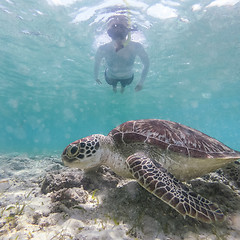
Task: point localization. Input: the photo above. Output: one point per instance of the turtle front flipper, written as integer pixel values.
(157, 180)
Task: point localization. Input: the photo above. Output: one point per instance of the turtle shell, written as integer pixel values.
(171, 136)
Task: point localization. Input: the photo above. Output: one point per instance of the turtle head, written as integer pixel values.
(85, 153)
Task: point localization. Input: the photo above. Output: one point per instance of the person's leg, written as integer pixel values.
(112, 82)
(115, 88)
(125, 82)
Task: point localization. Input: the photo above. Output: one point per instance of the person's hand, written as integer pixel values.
(138, 87)
(98, 81)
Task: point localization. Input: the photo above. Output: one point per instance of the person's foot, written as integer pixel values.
(138, 87)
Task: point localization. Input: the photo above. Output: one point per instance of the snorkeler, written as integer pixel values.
(120, 56)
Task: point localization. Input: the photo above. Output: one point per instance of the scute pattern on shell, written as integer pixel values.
(171, 136)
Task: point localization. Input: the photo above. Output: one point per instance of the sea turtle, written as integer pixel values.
(159, 154)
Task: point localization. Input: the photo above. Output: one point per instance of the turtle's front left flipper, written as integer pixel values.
(157, 180)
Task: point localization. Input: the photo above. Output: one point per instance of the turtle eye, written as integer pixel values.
(73, 151)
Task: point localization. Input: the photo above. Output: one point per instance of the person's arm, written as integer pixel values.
(145, 60)
(98, 59)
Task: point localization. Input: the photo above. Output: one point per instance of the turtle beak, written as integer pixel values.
(65, 160)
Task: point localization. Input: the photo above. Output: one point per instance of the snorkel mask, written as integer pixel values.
(118, 27)
(118, 31)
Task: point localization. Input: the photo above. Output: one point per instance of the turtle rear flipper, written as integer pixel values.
(157, 180)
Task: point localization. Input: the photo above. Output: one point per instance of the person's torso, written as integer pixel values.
(120, 63)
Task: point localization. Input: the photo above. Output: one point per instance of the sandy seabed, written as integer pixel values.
(41, 199)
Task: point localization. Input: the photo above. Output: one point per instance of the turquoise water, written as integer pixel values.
(48, 97)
